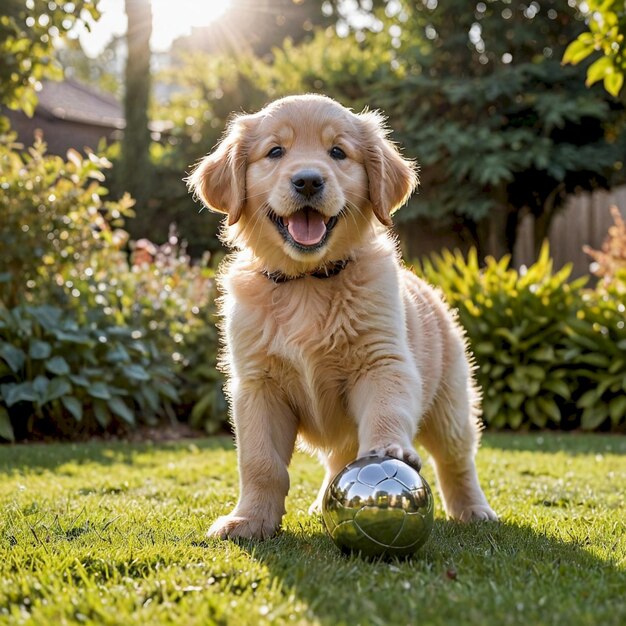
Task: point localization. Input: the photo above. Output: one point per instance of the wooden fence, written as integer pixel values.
(584, 220)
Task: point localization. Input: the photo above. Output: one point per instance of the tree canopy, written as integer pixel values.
(27, 32)
(475, 92)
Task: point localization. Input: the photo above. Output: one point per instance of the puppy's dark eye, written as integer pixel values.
(337, 153)
(276, 152)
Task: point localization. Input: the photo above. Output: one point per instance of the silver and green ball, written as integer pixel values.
(378, 506)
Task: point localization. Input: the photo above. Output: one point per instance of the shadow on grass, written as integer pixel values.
(470, 574)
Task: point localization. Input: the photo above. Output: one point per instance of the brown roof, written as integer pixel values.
(70, 100)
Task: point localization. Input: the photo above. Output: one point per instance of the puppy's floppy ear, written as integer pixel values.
(219, 179)
(391, 177)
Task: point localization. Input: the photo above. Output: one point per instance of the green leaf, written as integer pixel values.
(40, 384)
(118, 354)
(74, 406)
(588, 399)
(617, 409)
(58, 365)
(18, 392)
(558, 387)
(507, 334)
(151, 397)
(202, 409)
(6, 428)
(550, 408)
(598, 70)
(102, 413)
(80, 380)
(577, 51)
(120, 408)
(515, 419)
(596, 360)
(537, 417)
(593, 417)
(79, 338)
(515, 399)
(613, 83)
(13, 357)
(39, 349)
(136, 372)
(168, 391)
(47, 316)
(544, 353)
(57, 388)
(99, 390)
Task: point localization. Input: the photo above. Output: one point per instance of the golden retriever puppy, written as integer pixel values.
(327, 337)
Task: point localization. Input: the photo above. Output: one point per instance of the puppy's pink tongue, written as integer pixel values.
(306, 227)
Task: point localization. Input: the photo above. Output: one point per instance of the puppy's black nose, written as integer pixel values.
(307, 182)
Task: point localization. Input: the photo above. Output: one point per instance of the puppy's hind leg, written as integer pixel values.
(450, 433)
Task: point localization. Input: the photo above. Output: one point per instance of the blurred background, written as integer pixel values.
(513, 109)
(476, 92)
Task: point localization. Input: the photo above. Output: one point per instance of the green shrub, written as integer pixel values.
(58, 376)
(550, 353)
(54, 217)
(596, 346)
(173, 299)
(63, 246)
(515, 326)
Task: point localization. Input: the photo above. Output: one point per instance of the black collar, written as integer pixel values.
(323, 272)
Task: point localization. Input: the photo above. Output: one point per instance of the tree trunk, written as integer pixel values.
(136, 172)
(543, 219)
(496, 234)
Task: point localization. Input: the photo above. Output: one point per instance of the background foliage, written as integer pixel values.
(495, 118)
(102, 330)
(606, 33)
(27, 32)
(90, 339)
(549, 352)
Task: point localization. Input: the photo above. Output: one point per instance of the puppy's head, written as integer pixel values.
(303, 181)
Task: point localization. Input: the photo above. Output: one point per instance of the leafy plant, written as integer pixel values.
(173, 299)
(58, 376)
(606, 34)
(28, 31)
(595, 348)
(54, 217)
(550, 353)
(515, 323)
(63, 244)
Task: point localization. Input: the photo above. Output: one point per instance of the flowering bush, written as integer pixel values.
(139, 331)
(610, 262)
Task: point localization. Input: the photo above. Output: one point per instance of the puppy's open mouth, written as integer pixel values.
(306, 229)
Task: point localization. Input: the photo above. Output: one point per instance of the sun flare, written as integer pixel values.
(180, 16)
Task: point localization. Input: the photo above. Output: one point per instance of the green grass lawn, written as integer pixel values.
(113, 533)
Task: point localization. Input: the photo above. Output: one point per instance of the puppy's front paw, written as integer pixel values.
(477, 513)
(234, 526)
(316, 507)
(404, 453)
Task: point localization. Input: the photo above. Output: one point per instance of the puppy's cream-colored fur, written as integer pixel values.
(368, 359)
